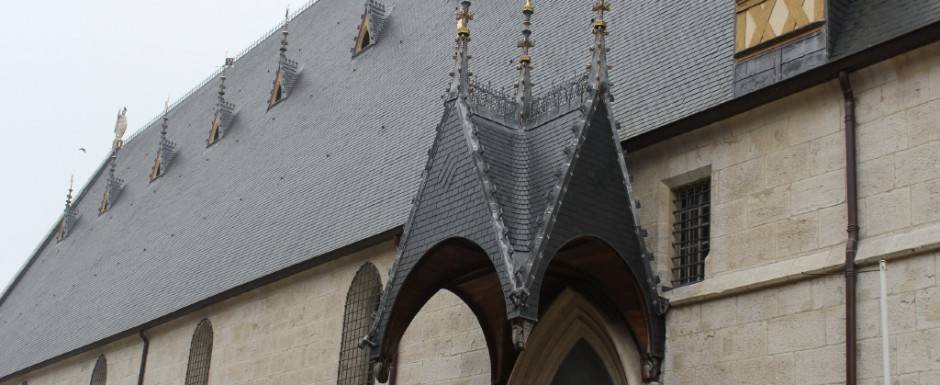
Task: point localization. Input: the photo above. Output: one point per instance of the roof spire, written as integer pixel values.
(119, 128)
(461, 83)
(229, 62)
(68, 197)
(285, 33)
(166, 111)
(524, 85)
(598, 67)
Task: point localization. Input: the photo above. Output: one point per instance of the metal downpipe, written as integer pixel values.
(851, 245)
(143, 358)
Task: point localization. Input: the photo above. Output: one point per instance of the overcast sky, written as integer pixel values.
(66, 69)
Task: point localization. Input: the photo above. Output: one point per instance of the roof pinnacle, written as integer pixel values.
(461, 74)
(285, 33)
(229, 62)
(166, 111)
(68, 197)
(598, 68)
(524, 85)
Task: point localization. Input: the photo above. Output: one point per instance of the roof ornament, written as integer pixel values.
(229, 62)
(285, 33)
(115, 185)
(165, 150)
(69, 216)
(598, 68)
(524, 85)
(225, 111)
(461, 74)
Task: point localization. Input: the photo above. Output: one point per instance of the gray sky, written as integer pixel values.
(68, 66)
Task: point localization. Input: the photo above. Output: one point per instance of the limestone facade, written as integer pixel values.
(289, 333)
(767, 312)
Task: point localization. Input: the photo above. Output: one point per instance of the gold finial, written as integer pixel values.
(600, 7)
(463, 18)
(528, 6)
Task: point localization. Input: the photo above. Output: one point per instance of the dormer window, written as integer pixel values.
(371, 26)
(165, 154)
(762, 24)
(224, 110)
(363, 40)
(215, 133)
(276, 91)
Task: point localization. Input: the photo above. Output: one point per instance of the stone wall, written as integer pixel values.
(288, 333)
(766, 312)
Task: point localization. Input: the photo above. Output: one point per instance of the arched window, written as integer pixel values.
(200, 354)
(99, 376)
(362, 301)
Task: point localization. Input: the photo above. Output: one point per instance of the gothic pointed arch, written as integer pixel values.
(362, 300)
(573, 325)
(99, 376)
(200, 354)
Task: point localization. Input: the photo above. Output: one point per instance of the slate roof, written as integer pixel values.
(340, 159)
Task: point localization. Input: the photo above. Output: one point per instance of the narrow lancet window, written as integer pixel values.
(362, 301)
(200, 354)
(99, 376)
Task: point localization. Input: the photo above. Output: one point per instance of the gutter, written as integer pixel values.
(143, 357)
(851, 245)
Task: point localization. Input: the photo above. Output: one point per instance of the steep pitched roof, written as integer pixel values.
(339, 160)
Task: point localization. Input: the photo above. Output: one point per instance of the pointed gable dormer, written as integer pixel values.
(521, 199)
(370, 27)
(166, 150)
(224, 110)
(287, 70)
(69, 215)
(114, 185)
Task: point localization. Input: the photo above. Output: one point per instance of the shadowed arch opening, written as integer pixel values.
(590, 266)
(200, 354)
(571, 328)
(463, 268)
(362, 300)
(99, 376)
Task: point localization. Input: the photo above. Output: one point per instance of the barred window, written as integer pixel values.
(362, 301)
(99, 376)
(690, 232)
(200, 354)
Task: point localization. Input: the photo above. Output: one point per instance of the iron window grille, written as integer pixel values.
(200, 354)
(99, 376)
(690, 232)
(362, 301)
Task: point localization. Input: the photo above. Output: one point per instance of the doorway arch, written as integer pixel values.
(571, 319)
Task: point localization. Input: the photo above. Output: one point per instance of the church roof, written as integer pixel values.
(339, 160)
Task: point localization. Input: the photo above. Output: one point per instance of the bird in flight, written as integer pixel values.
(82, 149)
